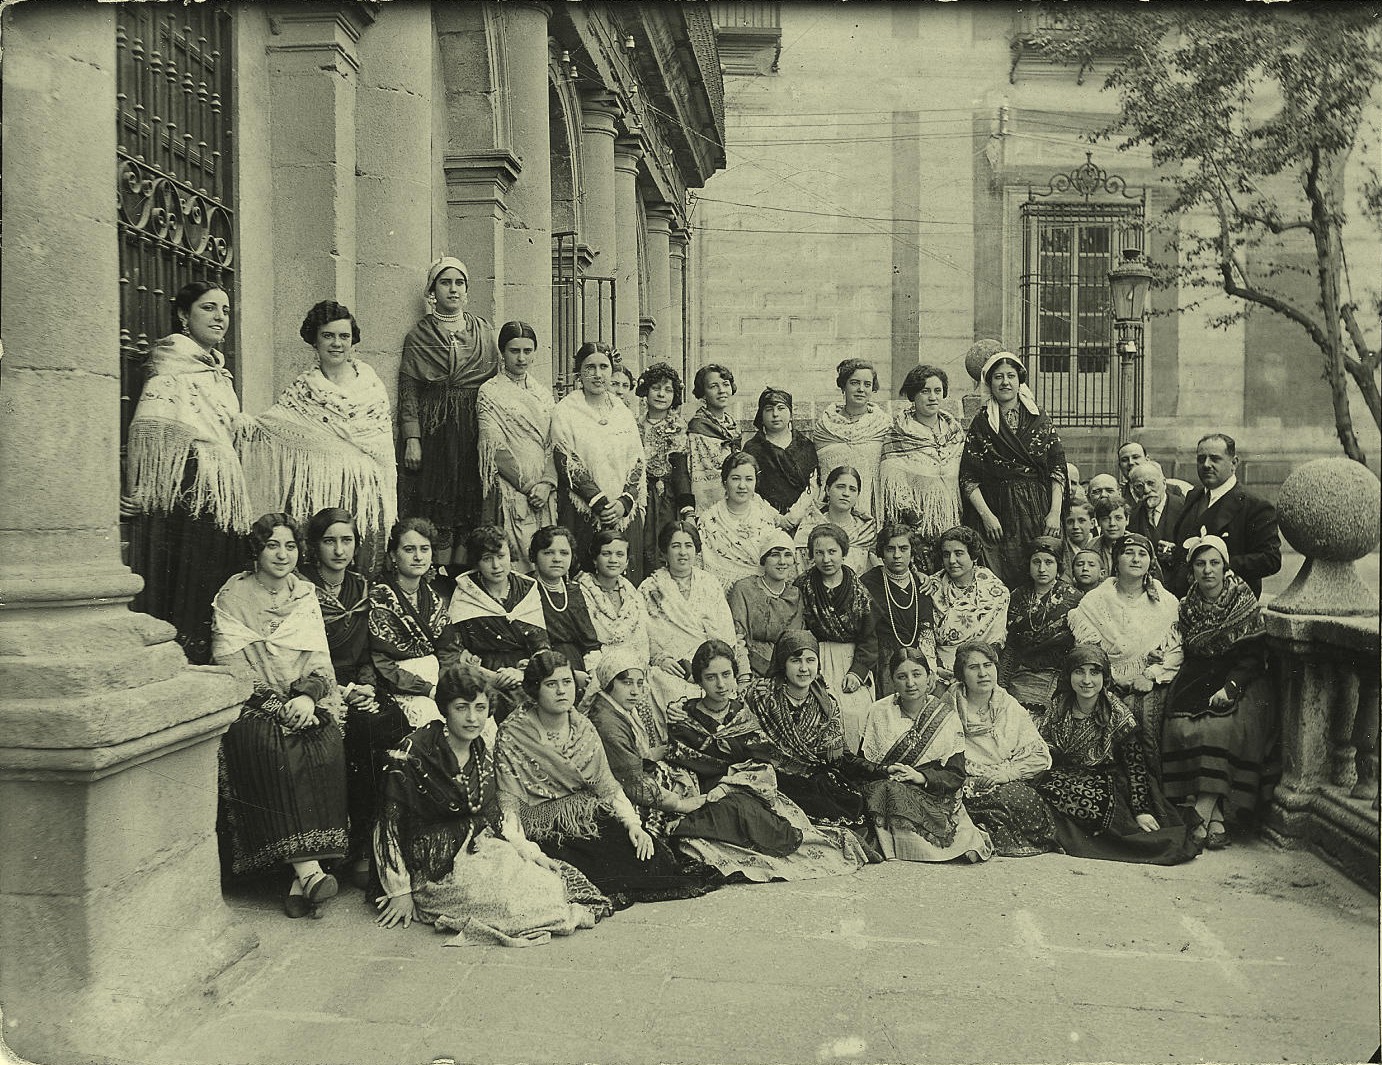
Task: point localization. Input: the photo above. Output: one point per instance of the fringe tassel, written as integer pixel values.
(300, 471)
(936, 508)
(159, 451)
(557, 820)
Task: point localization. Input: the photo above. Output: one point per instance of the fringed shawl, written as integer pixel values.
(627, 625)
(1001, 740)
(834, 615)
(427, 811)
(710, 440)
(678, 624)
(1135, 633)
(539, 781)
(282, 642)
(730, 542)
(808, 736)
(610, 455)
(188, 412)
(444, 361)
(893, 738)
(979, 612)
(405, 631)
(517, 419)
(1211, 629)
(920, 471)
(841, 441)
(1031, 452)
(661, 440)
(322, 445)
(1090, 741)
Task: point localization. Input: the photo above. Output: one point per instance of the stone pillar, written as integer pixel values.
(676, 341)
(313, 69)
(627, 152)
(477, 189)
(110, 901)
(393, 185)
(598, 113)
(659, 252)
(527, 274)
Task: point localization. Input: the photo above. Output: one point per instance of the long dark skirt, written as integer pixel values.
(583, 529)
(609, 861)
(283, 793)
(369, 736)
(1016, 819)
(1021, 507)
(1234, 755)
(449, 492)
(662, 508)
(184, 561)
(1093, 819)
(826, 798)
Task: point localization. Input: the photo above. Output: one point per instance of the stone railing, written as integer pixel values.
(1324, 640)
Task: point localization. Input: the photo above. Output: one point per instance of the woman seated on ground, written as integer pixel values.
(801, 719)
(410, 639)
(1221, 725)
(564, 609)
(443, 856)
(902, 612)
(1133, 618)
(918, 741)
(617, 610)
(841, 509)
(733, 526)
(554, 778)
(839, 612)
(686, 607)
(766, 605)
(1038, 630)
(969, 601)
(497, 615)
(746, 827)
(1004, 753)
(374, 722)
(1105, 802)
(283, 759)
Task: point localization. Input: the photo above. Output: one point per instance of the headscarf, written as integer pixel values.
(446, 262)
(1196, 544)
(769, 397)
(1132, 539)
(1091, 741)
(1024, 394)
(1049, 545)
(616, 660)
(772, 539)
(1210, 629)
(788, 644)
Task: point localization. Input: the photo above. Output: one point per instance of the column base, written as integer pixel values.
(1327, 822)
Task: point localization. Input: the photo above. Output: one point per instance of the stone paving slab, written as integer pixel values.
(1250, 954)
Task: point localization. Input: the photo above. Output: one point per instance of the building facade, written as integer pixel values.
(904, 179)
(293, 152)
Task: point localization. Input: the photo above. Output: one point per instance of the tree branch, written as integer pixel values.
(1274, 303)
(1367, 356)
(1272, 224)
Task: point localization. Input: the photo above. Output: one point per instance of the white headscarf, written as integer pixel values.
(1024, 394)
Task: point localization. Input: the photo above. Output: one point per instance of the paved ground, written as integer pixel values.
(1250, 954)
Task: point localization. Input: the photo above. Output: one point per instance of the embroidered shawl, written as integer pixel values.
(920, 472)
(517, 419)
(835, 615)
(1001, 740)
(730, 543)
(689, 728)
(1089, 742)
(710, 439)
(841, 441)
(808, 736)
(679, 624)
(979, 612)
(398, 628)
(282, 642)
(626, 625)
(608, 457)
(1038, 629)
(661, 440)
(1210, 629)
(441, 360)
(486, 625)
(785, 474)
(322, 445)
(893, 738)
(188, 412)
(1140, 635)
(1031, 452)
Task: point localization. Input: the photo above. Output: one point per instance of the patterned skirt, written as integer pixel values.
(1234, 755)
(1016, 819)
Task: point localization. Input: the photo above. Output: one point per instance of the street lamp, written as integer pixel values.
(1129, 281)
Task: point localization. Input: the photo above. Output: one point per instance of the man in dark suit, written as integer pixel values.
(1156, 510)
(1221, 506)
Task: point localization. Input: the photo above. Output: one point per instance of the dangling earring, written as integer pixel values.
(185, 331)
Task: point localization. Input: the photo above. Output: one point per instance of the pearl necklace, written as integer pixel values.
(548, 590)
(902, 606)
(763, 582)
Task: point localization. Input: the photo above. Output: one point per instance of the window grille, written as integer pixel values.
(582, 309)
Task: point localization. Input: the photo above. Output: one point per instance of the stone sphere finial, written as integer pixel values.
(979, 353)
(1330, 510)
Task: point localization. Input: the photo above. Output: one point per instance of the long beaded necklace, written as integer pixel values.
(909, 604)
(547, 592)
(468, 778)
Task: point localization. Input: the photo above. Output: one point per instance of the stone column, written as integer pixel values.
(627, 152)
(477, 189)
(598, 113)
(313, 71)
(676, 342)
(393, 184)
(527, 274)
(659, 252)
(110, 901)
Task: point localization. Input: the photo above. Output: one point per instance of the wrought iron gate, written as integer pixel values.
(582, 309)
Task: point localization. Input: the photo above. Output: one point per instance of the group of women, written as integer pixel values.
(619, 658)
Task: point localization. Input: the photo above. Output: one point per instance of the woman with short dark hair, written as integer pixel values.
(665, 449)
(569, 627)
(329, 440)
(852, 432)
(920, 468)
(712, 433)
